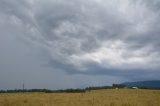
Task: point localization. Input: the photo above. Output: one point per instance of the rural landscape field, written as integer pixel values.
(79, 52)
(111, 97)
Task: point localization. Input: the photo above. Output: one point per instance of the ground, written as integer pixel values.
(111, 97)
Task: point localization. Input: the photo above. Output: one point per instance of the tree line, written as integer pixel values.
(72, 90)
(56, 91)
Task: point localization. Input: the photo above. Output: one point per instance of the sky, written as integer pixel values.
(59, 44)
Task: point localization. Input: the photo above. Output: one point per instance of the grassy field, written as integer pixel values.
(112, 97)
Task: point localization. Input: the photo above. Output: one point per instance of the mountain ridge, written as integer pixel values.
(146, 84)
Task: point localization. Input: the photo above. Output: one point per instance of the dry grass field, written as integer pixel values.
(112, 97)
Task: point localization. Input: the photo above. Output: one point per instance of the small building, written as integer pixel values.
(134, 87)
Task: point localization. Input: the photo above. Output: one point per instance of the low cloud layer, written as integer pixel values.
(80, 40)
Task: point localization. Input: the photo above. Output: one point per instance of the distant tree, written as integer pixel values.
(118, 86)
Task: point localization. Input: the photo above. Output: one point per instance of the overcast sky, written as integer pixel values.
(59, 44)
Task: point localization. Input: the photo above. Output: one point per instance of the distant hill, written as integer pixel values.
(145, 84)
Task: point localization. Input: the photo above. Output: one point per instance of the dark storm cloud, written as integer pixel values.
(87, 38)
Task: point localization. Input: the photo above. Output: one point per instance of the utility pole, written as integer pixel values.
(23, 87)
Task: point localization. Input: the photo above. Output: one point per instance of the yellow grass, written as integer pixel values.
(120, 97)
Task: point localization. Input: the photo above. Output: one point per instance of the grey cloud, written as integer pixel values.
(83, 38)
(69, 29)
(154, 5)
